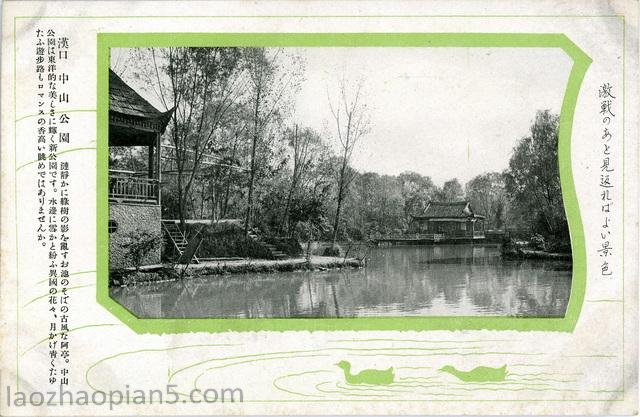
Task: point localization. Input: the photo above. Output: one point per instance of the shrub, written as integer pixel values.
(227, 241)
(333, 250)
(290, 246)
(538, 242)
(559, 245)
(139, 244)
(356, 234)
(230, 243)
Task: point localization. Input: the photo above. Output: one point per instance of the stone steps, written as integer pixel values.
(273, 249)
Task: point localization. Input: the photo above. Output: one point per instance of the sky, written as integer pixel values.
(442, 112)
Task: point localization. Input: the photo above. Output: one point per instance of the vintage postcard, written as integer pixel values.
(268, 208)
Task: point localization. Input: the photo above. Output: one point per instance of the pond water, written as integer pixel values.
(442, 280)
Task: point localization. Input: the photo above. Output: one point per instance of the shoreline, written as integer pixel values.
(166, 273)
(317, 263)
(538, 254)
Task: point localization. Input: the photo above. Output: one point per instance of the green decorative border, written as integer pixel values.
(581, 63)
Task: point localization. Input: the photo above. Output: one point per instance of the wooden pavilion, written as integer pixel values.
(134, 197)
(455, 220)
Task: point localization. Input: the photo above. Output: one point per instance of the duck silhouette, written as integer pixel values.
(478, 374)
(367, 376)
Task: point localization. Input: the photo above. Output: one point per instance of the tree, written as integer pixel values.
(267, 88)
(352, 124)
(308, 218)
(303, 143)
(374, 206)
(533, 178)
(451, 191)
(199, 85)
(487, 195)
(417, 191)
(129, 158)
(223, 182)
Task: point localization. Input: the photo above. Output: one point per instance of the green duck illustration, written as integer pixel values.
(479, 374)
(368, 376)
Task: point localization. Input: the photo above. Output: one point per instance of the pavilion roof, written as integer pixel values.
(133, 120)
(457, 209)
(124, 99)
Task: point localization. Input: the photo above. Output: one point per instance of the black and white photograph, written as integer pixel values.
(333, 182)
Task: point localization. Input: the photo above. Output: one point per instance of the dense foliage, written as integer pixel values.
(233, 106)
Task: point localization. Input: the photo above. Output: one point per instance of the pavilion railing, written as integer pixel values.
(136, 190)
(410, 236)
(457, 234)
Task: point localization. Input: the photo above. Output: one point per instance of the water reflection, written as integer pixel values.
(445, 280)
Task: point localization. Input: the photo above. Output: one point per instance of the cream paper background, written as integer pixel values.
(595, 366)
